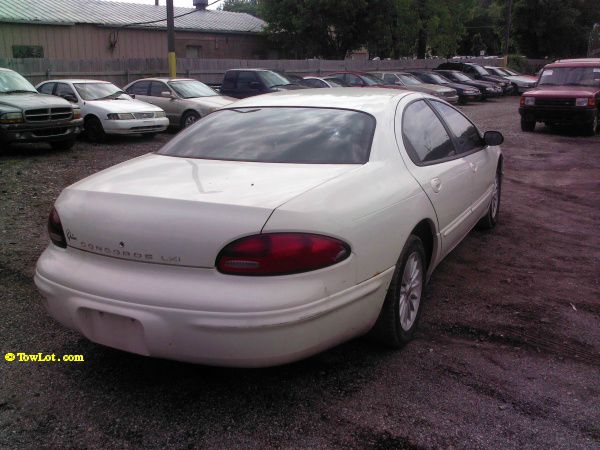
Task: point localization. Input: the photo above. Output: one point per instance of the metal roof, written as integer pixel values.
(108, 13)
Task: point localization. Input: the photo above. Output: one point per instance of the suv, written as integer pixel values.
(28, 116)
(242, 83)
(568, 92)
(477, 72)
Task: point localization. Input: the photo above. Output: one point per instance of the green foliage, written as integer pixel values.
(518, 63)
(395, 28)
(242, 6)
(315, 28)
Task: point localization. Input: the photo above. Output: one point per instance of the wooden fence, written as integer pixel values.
(123, 71)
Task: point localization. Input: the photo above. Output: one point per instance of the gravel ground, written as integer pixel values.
(507, 356)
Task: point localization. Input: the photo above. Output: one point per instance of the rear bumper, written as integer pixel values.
(557, 115)
(49, 132)
(202, 316)
(135, 126)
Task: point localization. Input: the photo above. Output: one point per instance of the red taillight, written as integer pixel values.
(592, 102)
(281, 254)
(522, 101)
(55, 229)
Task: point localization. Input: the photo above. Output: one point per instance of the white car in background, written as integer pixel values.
(106, 109)
(272, 229)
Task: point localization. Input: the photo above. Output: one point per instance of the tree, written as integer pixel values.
(315, 28)
(242, 6)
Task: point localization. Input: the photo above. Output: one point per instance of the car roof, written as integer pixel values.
(164, 79)
(248, 69)
(370, 100)
(353, 72)
(582, 62)
(75, 80)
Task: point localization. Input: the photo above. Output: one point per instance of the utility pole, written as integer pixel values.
(507, 33)
(171, 40)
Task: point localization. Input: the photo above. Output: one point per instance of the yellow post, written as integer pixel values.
(172, 65)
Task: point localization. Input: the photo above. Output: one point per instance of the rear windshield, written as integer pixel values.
(278, 135)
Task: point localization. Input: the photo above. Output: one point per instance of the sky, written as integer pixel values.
(187, 3)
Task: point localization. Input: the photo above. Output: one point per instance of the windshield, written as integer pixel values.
(498, 71)
(278, 135)
(460, 76)
(192, 89)
(272, 79)
(13, 82)
(409, 79)
(372, 80)
(572, 76)
(99, 91)
(511, 72)
(437, 78)
(480, 70)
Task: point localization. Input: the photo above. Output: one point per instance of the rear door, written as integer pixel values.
(434, 162)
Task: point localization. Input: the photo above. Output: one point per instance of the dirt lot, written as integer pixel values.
(508, 353)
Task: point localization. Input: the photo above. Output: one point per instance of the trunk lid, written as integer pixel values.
(178, 211)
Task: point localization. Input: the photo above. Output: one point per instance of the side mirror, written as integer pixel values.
(131, 95)
(255, 86)
(493, 138)
(167, 94)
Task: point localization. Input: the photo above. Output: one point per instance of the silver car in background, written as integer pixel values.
(184, 100)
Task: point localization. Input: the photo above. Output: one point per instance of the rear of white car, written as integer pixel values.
(264, 234)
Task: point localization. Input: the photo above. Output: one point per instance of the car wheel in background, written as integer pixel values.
(93, 129)
(401, 309)
(189, 118)
(527, 125)
(591, 128)
(490, 220)
(63, 145)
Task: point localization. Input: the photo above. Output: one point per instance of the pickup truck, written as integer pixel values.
(568, 92)
(28, 116)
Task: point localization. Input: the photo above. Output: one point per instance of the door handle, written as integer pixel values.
(473, 167)
(436, 184)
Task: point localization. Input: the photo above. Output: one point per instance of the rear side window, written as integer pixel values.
(312, 82)
(46, 88)
(139, 88)
(424, 136)
(466, 133)
(157, 88)
(278, 135)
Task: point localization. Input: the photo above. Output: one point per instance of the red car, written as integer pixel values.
(360, 79)
(568, 92)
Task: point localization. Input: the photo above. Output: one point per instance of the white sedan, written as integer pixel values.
(106, 109)
(272, 229)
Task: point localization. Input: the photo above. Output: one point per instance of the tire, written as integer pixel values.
(189, 118)
(462, 100)
(515, 90)
(149, 135)
(527, 125)
(490, 220)
(63, 145)
(93, 129)
(591, 128)
(394, 328)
